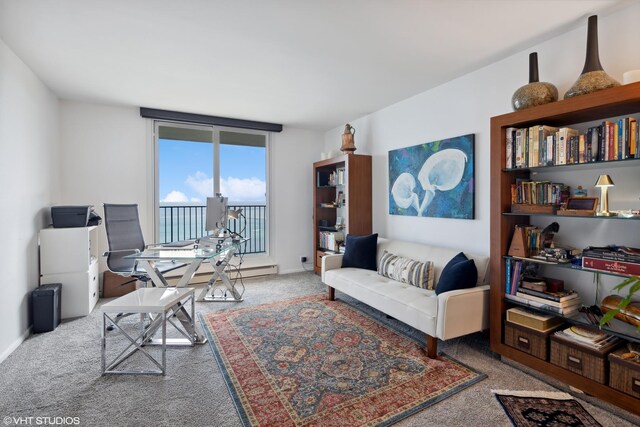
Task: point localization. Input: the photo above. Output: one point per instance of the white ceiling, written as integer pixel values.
(303, 63)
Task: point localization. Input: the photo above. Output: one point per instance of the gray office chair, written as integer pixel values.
(124, 237)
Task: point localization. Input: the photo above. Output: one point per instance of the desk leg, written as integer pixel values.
(207, 294)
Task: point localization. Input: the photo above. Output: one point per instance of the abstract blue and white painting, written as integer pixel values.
(434, 179)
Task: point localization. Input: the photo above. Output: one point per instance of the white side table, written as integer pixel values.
(165, 302)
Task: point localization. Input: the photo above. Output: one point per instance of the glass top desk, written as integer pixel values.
(217, 251)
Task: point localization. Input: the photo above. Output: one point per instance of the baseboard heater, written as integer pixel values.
(246, 272)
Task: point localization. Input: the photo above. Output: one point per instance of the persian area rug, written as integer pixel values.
(529, 409)
(313, 362)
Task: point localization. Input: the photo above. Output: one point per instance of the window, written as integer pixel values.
(195, 162)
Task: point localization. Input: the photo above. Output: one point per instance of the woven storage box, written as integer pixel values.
(624, 374)
(580, 359)
(531, 341)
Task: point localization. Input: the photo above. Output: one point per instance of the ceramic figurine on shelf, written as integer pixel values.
(348, 145)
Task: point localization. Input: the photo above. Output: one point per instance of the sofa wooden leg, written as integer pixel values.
(332, 293)
(432, 347)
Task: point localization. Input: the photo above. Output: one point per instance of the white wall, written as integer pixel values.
(465, 105)
(107, 157)
(29, 140)
(293, 151)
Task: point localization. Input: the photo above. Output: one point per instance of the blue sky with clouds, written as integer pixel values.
(186, 172)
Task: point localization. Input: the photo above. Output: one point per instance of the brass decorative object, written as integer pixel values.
(604, 182)
(536, 92)
(593, 77)
(348, 146)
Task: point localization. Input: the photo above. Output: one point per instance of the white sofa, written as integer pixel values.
(448, 315)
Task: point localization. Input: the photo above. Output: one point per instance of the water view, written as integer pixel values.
(184, 221)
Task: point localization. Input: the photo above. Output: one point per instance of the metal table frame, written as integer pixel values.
(146, 301)
(218, 251)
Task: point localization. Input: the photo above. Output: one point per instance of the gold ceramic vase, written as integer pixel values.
(536, 92)
(593, 77)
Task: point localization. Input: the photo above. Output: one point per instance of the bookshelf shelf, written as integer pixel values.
(615, 218)
(567, 265)
(616, 327)
(580, 111)
(352, 174)
(579, 166)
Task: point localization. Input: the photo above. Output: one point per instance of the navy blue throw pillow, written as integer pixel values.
(360, 252)
(459, 273)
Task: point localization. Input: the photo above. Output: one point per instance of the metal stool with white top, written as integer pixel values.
(160, 305)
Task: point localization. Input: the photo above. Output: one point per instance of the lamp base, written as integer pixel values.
(606, 214)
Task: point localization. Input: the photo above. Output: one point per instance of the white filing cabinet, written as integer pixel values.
(70, 256)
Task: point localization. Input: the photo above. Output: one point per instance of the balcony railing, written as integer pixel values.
(188, 222)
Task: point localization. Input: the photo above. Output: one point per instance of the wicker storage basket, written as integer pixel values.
(624, 374)
(580, 359)
(531, 341)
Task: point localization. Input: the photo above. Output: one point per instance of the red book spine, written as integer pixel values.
(620, 267)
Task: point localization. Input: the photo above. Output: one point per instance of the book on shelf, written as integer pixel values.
(560, 304)
(563, 138)
(544, 132)
(560, 296)
(542, 322)
(562, 311)
(510, 142)
(331, 240)
(618, 267)
(521, 137)
(613, 253)
(512, 279)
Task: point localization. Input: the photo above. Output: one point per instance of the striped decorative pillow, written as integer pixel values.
(406, 270)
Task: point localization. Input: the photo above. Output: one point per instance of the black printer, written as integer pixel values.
(74, 216)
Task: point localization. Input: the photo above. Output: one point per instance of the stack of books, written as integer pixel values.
(563, 303)
(589, 337)
(617, 259)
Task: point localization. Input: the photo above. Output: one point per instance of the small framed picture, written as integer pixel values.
(580, 206)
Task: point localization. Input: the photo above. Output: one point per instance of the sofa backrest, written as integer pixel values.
(438, 255)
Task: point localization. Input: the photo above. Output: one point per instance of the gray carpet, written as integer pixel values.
(57, 374)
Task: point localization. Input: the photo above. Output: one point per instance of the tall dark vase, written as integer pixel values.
(536, 92)
(593, 77)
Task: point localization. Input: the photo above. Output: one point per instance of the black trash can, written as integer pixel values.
(45, 307)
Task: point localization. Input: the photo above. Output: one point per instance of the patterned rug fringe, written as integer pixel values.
(542, 394)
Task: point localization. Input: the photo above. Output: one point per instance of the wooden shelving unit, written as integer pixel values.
(356, 190)
(619, 101)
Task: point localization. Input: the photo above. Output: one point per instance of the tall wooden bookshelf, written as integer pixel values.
(348, 196)
(605, 104)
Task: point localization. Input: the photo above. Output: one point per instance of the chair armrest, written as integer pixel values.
(133, 251)
(331, 262)
(462, 312)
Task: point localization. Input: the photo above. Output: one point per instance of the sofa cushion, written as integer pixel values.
(409, 304)
(360, 252)
(406, 270)
(459, 273)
